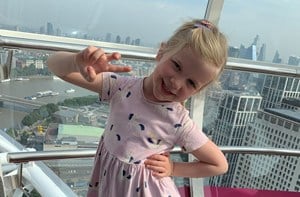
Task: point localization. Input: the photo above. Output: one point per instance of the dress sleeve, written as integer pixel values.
(190, 136)
(112, 82)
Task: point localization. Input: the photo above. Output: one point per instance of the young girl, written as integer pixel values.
(146, 115)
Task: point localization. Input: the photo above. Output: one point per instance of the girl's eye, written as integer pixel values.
(191, 82)
(176, 65)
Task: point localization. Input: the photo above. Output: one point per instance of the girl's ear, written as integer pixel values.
(160, 51)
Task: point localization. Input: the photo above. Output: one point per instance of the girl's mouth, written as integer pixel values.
(165, 88)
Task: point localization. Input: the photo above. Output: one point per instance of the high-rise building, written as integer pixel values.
(42, 30)
(275, 88)
(127, 40)
(118, 39)
(277, 58)
(233, 52)
(58, 32)
(50, 30)
(262, 53)
(293, 60)
(235, 110)
(137, 42)
(290, 103)
(108, 37)
(276, 128)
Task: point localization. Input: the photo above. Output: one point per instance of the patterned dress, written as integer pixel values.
(137, 128)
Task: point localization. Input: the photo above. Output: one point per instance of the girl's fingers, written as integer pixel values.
(158, 175)
(113, 56)
(116, 68)
(91, 74)
(158, 157)
(155, 168)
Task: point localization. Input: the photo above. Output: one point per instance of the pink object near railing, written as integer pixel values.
(238, 192)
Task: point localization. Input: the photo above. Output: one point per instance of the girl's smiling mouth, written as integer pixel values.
(166, 89)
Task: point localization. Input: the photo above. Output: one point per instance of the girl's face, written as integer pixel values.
(178, 77)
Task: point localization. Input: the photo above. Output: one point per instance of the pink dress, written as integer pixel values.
(137, 128)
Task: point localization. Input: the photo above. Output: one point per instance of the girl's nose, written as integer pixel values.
(175, 84)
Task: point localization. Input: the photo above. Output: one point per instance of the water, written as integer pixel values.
(10, 118)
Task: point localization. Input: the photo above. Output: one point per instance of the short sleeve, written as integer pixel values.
(111, 84)
(190, 136)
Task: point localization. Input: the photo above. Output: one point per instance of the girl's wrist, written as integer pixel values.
(75, 62)
(172, 168)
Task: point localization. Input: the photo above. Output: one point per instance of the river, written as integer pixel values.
(10, 118)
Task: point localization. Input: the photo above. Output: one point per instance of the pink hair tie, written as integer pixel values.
(205, 24)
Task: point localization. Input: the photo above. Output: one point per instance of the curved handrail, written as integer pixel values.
(20, 157)
(21, 40)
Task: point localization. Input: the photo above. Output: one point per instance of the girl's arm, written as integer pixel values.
(84, 68)
(210, 162)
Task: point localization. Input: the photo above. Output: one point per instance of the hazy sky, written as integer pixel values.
(275, 21)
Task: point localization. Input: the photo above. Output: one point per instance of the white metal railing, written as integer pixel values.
(22, 40)
(20, 157)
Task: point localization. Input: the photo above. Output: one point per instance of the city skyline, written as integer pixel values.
(278, 31)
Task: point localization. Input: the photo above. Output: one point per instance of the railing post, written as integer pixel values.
(20, 174)
(196, 113)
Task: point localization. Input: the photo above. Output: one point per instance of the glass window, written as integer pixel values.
(242, 104)
(282, 82)
(252, 28)
(144, 23)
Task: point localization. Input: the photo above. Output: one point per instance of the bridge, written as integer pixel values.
(21, 101)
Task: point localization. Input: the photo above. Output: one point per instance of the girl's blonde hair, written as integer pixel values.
(204, 38)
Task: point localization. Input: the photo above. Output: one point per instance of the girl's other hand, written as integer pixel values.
(92, 61)
(160, 164)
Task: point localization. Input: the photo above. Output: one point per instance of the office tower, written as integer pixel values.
(275, 88)
(262, 53)
(58, 32)
(293, 60)
(251, 53)
(137, 42)
(108, 37)
(235, 110)
(248, 53)
(233, 52)
(290, 103)
(276, 128)
(127, 40)
(42, 30)
(50, 30)
(277, 58)
(118, 39)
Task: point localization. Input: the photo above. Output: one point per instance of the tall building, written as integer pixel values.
(233, 52)
(276, 128)
(108, 37)
(275, 88)
(293, 60)
(118, 39)
(137, 42)
(58, 32)
(235, 110)
(262, 53)
(127, 40)
(42, 30)
(50, 30)
(277, 58)
(290, 103)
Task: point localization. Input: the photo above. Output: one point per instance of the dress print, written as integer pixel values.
(137, 128)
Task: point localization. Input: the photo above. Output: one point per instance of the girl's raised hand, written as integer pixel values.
(160, 164)
(92, 61)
